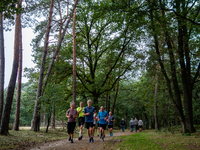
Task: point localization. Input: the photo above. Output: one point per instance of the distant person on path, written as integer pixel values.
(71, 115)
(89, 120)
(94, 123)
(140, 124)
(111, 119)
(131, 124)
(81, 120)
(102, 117)
(123, 123)
(135, 123)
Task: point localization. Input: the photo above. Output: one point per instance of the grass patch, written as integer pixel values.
(27, 138)
(149, 140)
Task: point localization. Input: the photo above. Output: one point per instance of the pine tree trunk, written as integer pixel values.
(36, 115)
(2, 66)
(155, 98)
(11, 86)
(17, 111)
(74, 56)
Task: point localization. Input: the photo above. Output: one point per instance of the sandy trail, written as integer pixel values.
(82, 144)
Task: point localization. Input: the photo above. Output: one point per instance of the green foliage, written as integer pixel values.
(8, 8)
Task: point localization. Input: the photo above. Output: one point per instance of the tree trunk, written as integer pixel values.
(155, 98)
(53, 126)
(48, 122)
(11, 87)
(17, 111)
(74, 56)
(36, 114)
(58, 47)
(183, 49)
(116, 94)
(2, 66)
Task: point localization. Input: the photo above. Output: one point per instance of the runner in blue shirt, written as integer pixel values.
(111, 119)
(102, 117)
(88, 113)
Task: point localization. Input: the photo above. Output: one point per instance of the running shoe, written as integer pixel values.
(103, 139)
(89, 140)
(98, 135)
(92, 140)
(69, 138)
(72, 141)
(112, 134)
(81, 137)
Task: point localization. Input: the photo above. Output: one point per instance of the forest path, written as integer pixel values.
(84, 144)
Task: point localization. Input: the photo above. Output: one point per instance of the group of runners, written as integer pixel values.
(88, 116)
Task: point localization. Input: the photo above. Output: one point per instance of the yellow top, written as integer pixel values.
(81, 112)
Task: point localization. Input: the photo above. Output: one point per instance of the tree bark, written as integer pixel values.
(74, 56)
(155, 98)
(36, 114)
(117, 90)
(11, 86)
(2, 66)
(17, 111)
(58, 47)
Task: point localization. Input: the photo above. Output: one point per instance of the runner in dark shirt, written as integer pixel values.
(89, 120)
(111, 119)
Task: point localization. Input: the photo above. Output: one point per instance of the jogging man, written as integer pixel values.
(102, 117)
(81, 120)
(89, 120)
(111, 119)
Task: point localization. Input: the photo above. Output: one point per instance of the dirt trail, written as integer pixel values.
(82, 144)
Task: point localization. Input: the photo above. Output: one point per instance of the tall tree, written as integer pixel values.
(155, 98)
(36, 114)
(11, 87)
(2, 65)
(17, 111)
(74, 56)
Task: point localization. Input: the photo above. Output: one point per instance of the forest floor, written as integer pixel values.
(83, 144)
(58, 140)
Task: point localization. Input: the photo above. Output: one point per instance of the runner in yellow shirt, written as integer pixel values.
(81, 120)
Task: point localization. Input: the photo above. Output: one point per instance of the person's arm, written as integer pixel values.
(76, 114)
(80, 110)
(67, 115)
(113, 119)
(84, 112)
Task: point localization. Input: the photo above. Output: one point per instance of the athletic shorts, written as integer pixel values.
(140, 126)
(88, 125)
(97, 124)
(81, 121)
(102, 126)
(110, 126)
(94, 125)
(70, 127)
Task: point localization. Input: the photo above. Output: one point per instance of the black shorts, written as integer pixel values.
(110, 126)
(98, 125)
(70, 127)
(140, 126)
(81, 121)
(102, 126)
(88, 125)
(94, 125)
